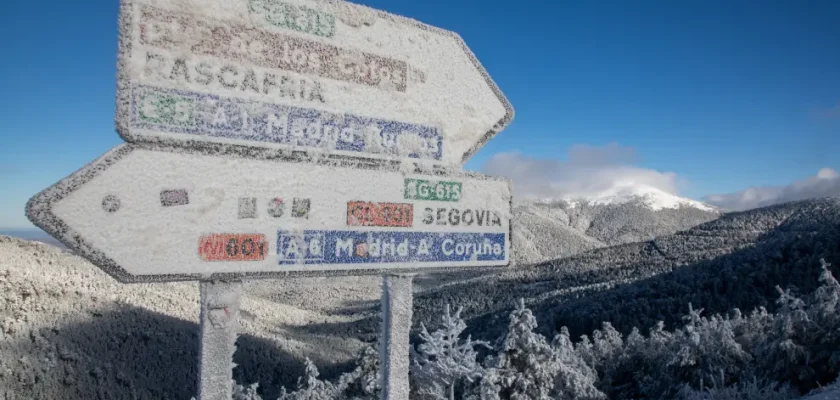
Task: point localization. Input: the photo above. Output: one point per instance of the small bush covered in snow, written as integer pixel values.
(362, 383)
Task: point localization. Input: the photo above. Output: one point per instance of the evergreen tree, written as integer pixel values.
(442, 361)
(825, 313)
(364, 381)
(310, 387)
(706, 349)
(249, 392)
(574, 380)
(523, 369)
(782, 354)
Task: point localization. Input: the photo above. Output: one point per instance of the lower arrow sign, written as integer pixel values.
(146, 214)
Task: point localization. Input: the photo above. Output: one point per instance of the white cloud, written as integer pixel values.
(825, 183)
(587, 171)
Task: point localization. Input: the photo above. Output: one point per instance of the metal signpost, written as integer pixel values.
(273, 138)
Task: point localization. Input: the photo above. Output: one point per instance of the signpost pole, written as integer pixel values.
(396, 326)
(219, 324)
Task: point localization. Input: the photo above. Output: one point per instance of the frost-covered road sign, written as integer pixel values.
(219, 98)
(322, 75)
(165, 214)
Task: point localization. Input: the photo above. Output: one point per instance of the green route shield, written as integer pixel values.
(421, 189)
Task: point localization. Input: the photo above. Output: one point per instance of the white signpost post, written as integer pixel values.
(288, 138)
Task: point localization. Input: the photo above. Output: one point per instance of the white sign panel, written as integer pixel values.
(330, 76)
(151, 214)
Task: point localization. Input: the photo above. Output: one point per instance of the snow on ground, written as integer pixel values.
(68, 330)
(832, 394)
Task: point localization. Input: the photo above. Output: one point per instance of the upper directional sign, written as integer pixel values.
(146, 213)
(321, 75)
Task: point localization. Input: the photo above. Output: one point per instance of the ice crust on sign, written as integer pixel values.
(144, 240)
(182, 61)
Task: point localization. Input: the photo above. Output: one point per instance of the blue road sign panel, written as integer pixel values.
(364, 247)
(184, 112)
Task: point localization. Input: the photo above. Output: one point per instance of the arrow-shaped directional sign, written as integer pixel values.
(163, 214)
(322, 75)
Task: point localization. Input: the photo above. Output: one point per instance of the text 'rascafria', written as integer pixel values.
(232, 77)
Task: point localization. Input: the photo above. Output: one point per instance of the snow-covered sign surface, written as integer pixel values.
(151, 213)
(313, 75)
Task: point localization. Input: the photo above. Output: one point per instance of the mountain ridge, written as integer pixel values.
(654, 198)
(555, 228)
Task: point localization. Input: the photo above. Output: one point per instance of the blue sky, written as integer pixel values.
(725, 94)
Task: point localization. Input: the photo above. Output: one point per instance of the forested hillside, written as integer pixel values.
(734, 261)
(753, 355)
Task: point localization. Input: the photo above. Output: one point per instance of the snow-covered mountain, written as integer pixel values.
(651, 197)
(555, 228)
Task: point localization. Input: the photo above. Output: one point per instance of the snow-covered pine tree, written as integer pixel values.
(524, 368)
(363, 381)
(607, 342)
(607, 346)
(241, 392)
(622, 365)
(574, 380)
(443, 360)
(635, 365)
(823, 344)
(586, 351)
(487, 388)
(639, 370)
(781, 353)
(826, 300)
(310, 387)
(751, 330)
(706, 349)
